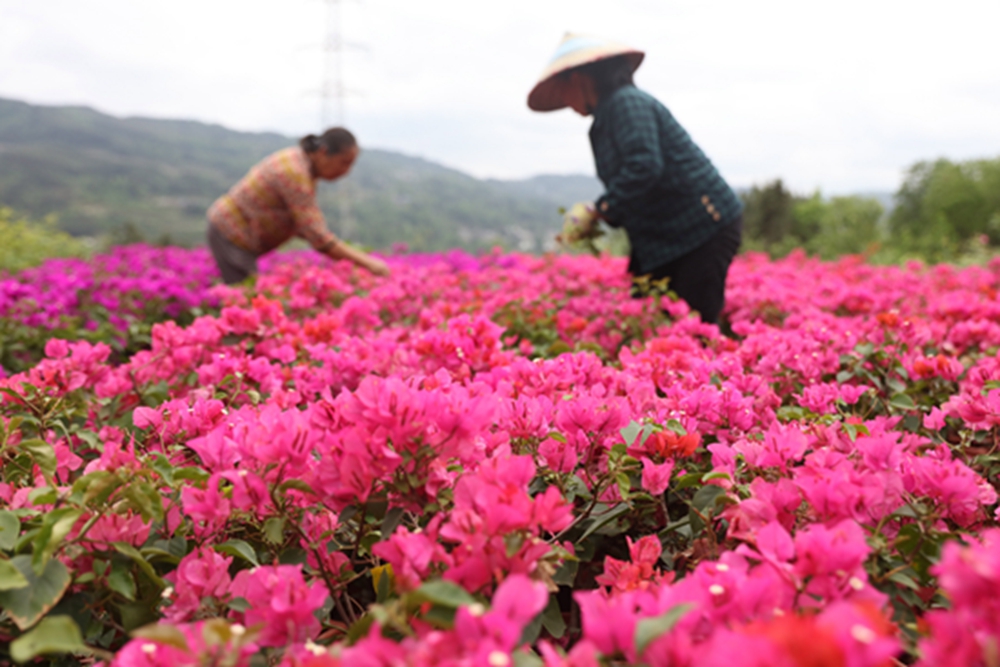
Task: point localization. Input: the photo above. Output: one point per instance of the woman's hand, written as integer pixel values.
(377, 266)
(342, 250)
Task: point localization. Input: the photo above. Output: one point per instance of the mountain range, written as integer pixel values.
(100, 174)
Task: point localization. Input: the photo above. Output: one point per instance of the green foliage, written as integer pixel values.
(25, 243)
(54, 634)
(768, 218)
(943, 208)
(842, 225)
(777, 221)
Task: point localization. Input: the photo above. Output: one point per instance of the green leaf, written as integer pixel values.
(566, 574)
(296, 484)
(41, 453)
(164, 633)
(688, 480)
(864, 349)
(706, 496)
(788, 413)
(902, 402)
(650, 629)
(552, 618)
(191, 474)
(392, 520)
(55, 527)
(852, 430)
(631, 432)
(904, 579)
(383, 581)
(444, 593)
(599, 521)
(274, 529)
(55, 634)
(238, 548)
(11, 577)
(43, 495)
(906, 511)
(26, 605)
(676, 427)
(163, 468)
(97, 487)
(146, 500)
(531, 631)
(360, 628)
(526, 658)
(121, 581)
(127, 549)
(239, 604)
(624, 484)
(136, 614)
(10, 528)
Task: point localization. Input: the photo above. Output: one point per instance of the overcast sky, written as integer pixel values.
(841, 96)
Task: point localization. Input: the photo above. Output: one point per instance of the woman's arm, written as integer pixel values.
(337, 249)
(311, 226)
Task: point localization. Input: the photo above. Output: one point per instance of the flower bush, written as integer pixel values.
(504, 460)
(113, 298)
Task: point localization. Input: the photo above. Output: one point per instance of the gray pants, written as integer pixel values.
(235, 263)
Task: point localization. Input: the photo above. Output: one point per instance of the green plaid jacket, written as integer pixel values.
(659, 185)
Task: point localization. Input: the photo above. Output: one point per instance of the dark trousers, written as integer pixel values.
(699, 277)
(235, 264)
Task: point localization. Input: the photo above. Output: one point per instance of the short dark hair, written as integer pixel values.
(608, 74)
(335, 140)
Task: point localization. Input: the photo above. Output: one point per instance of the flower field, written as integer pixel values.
(499, 460)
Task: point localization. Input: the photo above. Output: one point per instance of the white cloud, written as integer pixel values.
(839, 96)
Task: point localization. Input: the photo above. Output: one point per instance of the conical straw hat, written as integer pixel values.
(573, 51)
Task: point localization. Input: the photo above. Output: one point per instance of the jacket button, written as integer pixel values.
(710, 208)
(705, 200)
(716, 216)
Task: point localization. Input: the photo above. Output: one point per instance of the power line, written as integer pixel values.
(332, 103)
(332, 90)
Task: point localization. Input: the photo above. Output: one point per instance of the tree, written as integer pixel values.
(843, 225)
(768, 217)
(943, 207)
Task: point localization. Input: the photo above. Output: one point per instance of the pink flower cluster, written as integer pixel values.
(516, 428)
(969, 632)
(122, 282)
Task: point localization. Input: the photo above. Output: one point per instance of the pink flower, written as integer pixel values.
(413, 555)
(201, 574)
(208, 508)
(196, 650)
(641, 573)
(607, 635)
(656, 477)
(281, 600)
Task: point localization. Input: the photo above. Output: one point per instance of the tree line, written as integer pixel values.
(943, 212)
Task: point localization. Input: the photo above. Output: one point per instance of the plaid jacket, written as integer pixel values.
(275, 201)
(659, 185)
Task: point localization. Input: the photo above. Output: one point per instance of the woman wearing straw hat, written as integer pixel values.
(682, 219)
(276, 200)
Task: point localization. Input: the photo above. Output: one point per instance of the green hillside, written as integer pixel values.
(99, 173)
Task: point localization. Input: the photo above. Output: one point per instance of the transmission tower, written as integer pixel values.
(332, 98)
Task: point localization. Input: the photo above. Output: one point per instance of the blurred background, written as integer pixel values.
(854, 127)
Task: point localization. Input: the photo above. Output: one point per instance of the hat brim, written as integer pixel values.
(549, 94)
